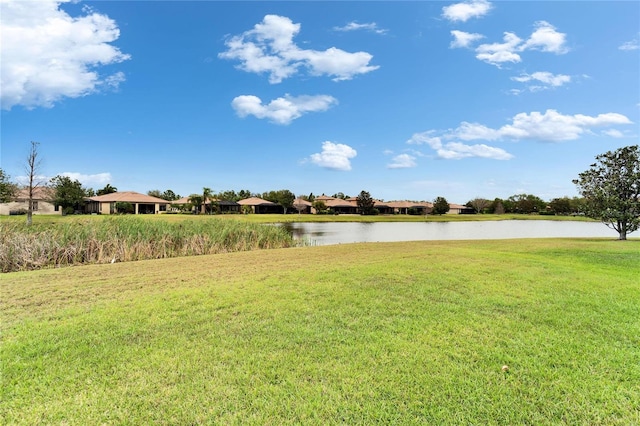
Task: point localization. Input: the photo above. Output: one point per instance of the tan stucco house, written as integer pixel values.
(42, 202)
(141, 203)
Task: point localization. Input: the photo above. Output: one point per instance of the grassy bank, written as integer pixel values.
(398, 333)
(58, 241)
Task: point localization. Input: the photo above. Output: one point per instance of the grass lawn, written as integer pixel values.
(385, 333)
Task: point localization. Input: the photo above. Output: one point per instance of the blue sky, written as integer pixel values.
(406, 100)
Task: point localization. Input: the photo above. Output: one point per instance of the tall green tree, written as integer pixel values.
(611, 188)
(68, 194)
(440, 206)
(365, 203)
(8, 189)
(207, 195)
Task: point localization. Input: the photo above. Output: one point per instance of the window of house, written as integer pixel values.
(34, 206)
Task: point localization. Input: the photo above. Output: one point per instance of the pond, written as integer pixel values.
(327, 233)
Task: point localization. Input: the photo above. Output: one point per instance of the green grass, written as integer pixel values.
(397, 333)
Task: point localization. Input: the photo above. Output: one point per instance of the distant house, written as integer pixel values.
(224, 206)
(42, 202)
(140, 203)
(260, 206)
(460, 209)
(411, 207)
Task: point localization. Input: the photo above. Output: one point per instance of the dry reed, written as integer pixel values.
(123, 239)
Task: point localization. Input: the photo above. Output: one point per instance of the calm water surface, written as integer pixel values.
(358, 232)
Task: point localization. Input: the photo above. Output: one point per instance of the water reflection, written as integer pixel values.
(320, 233)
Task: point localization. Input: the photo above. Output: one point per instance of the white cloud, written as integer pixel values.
(334, 156)
(281, 110)
(48, 55)
(497, 53)
(463, 39)
(613, 133)
(355, 26)
(466, 10)
(269, 48)
(98, 179)
(402, 161)
(630, 45)
(549, 126)
(545, 38)
(546, 78)
(457, 150)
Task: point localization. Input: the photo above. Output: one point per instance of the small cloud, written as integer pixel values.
(463, 39)
(462, 12)
(402, 161)
(355, 26)
(547, 79)
(89, 180)
(630, 45)
(545, 38)
(281, 110)
(269, 48)
(457, 150)
(335, 156)
(614, 133)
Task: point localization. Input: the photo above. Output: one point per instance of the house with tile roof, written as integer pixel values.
(141, 203)
(42, 202)
(260, 206)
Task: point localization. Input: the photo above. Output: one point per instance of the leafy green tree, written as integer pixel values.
(108, 189)
(365, 203)
(169, 195)
(155, 193)
(320, 206)
(229, 195)
(68, 194)
(196, 201)
(440, 206)
(244, 194)
(284, 197)
(561, 205)
(526, 203)
(124, 207)
(611, 188)
(8, 189)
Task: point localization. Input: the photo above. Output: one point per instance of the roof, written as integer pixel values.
(128, 197)
(39, 193)
(255, 201)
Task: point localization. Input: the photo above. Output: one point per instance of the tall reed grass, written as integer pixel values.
(122, 239)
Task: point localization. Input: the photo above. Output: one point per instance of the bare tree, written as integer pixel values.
(32, 168)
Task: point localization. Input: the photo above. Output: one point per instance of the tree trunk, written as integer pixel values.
(622, 231)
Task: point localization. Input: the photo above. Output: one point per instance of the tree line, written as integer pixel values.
(609, 189)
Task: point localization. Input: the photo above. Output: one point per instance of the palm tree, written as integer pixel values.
(206, 195)
(108, 189)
